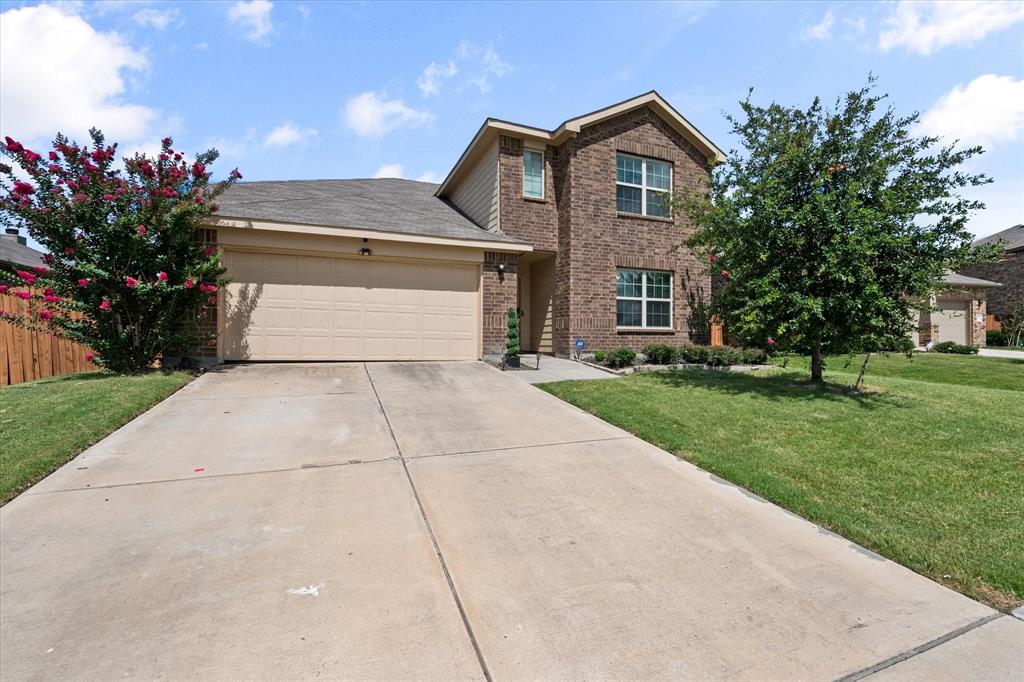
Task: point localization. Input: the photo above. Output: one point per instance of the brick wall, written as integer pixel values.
(529, 219)
(500, 290)
(603, 240)
(1010, 273)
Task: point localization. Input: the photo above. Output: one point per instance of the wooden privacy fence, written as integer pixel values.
(992, 324)
(26, 355)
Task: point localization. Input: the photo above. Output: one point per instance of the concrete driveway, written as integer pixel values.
(441, 521)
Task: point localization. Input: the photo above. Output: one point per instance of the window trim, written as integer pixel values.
(644, 298)
(643, 183)
(528, 150)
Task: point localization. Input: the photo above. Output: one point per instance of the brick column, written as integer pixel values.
(500, 292)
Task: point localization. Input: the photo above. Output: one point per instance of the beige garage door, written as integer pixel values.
(285, 307)
(952, 320)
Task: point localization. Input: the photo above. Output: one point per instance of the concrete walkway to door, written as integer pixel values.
(441, 521)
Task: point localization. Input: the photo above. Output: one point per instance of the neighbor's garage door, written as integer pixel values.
(951, 317)
(288, 307)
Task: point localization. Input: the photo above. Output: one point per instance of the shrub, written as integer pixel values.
(754, 356)
(598, 356)
(995, 337)
(660, 354)
(512, 337)
(124, 274)
(621, 357)
(696, 355)
(721, 356)
(953, 347)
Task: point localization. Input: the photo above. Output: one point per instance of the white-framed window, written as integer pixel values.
(533, 173)
(642, 186)
(643, 298)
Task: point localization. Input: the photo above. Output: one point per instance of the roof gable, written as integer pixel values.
(493, 127)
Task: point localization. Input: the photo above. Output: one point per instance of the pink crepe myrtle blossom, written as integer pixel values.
(3, 288)
(105, 305)
(53, 156)
(189, 284)
(141, 229)
(725, 274)
(130, 282)
(208, 288)
(712, 258)
(46, 314)
(49, 291)
(235, 175)
(47, 257)
(23, 295)
(771, 341)
(162, 276)
(212, 300)
(40, 270)
(79, 198)
(31, 156)
(108, 197)
(209, 251)
(83, 282)
(51, 298)
(89, 357)
(23, 188)
(69, 251)
(13, 146)
(28, 277)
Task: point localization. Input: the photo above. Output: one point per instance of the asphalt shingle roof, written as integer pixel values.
(14, 252)
(1012, 236)
(385, 204)
(957, 279)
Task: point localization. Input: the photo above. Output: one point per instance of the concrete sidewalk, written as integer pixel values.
(556, 369)
(441, 521)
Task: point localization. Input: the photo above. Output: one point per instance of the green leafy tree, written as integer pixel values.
(512, 337)
(831, 225)
(124, 274)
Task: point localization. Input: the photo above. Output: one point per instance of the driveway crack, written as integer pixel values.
(430, 532)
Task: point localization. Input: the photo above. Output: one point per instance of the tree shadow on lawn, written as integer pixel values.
(775, 386)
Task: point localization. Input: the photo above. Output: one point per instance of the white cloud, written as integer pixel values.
(429, 81)
(155, 18)
(287, 134)
(304, 11)
(390, 170)
(252, 18)
(372, 115)
(988, 111)
(430, 176)
(692, 11)
(57, 73)
(925, 27)
(487, 63)
(821, 30)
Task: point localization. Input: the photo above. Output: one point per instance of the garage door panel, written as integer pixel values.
(282, 306)
(951, 318)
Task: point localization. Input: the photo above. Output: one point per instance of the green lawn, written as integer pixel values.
(926, 466)
(45, 423)
(967, 370)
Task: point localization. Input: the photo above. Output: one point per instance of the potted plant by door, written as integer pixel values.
(512, 339)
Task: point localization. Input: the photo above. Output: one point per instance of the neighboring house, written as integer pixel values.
(1009, 272)
(567, 225)
(15, 253)
(958, 312)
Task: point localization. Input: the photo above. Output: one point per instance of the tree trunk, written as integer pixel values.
(816, 362)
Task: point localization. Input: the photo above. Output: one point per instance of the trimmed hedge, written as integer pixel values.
(660, 354)
(621, 357)
(953, 347)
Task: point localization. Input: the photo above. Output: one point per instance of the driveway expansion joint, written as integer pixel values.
(916, 651)
(520, 447)
(433, 537)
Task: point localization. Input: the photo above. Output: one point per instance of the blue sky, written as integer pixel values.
(293, 90)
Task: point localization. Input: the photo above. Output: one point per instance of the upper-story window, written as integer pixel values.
(533, 174)
(642, 186)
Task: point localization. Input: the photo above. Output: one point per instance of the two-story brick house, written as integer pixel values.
(568, 225)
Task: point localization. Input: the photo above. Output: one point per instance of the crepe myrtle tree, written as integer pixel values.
(124, 274)
(830, 226)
